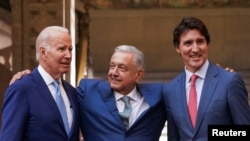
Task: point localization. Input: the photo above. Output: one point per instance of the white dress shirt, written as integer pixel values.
(49, 80)
(201, 73)
(139, 105)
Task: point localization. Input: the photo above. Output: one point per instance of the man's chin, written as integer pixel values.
(64, 71)
(114, 86)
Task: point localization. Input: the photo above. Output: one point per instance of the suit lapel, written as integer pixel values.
(148, 97)
(209, 86)
(73, 104)
(45, 94)
(147, 94)
(106, 93)
(181, 94)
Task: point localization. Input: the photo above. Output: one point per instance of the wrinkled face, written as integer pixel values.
(123, 73)
(56, 59)
(193, 49)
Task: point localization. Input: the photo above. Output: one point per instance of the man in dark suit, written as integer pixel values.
(30, 111)
(219, 96)
(101, 102)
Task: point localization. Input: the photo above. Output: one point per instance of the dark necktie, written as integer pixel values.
(127, 110)
(61, 105)
(192, 103)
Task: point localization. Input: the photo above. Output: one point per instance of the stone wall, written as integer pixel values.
(151, 31)
(29, 18)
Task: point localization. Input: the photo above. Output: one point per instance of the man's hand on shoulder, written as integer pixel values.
(19, 75)
(226, 68)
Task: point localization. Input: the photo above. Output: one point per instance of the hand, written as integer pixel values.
(19, 75)
(226, 68)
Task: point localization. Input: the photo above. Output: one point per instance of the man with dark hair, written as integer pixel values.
(203, 94)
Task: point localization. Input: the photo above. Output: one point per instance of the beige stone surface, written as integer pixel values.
(151, 31)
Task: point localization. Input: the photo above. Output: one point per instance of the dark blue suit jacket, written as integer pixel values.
(100, 116)
(31, 114)
(224, 100)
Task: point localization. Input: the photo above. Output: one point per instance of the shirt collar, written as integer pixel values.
(46, 76)
(133, 95)
(201, 73)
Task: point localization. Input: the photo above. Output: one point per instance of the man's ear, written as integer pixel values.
(42, 51)
(140, 74)
(177, 49)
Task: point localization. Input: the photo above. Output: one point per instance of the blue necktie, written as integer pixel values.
(126, 112)
(61, 106)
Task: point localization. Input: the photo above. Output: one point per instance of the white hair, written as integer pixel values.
(45, 35)
(139, 56)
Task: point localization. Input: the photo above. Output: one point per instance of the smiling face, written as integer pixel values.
(123, 72)
(193, 49)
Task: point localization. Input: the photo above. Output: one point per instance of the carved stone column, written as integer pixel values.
(29, 18)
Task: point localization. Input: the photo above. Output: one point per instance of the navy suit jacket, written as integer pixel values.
(30, 113)
(100, 116)
(224, 100)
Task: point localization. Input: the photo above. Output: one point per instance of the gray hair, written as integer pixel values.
(43, 39)
(139, 56)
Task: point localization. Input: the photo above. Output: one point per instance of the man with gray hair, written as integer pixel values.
(105, 113)
(42, 106)
(120, 108)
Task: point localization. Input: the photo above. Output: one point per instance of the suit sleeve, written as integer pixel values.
(81, 91)
(14, 114)
(238, 101)
(172, 130)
